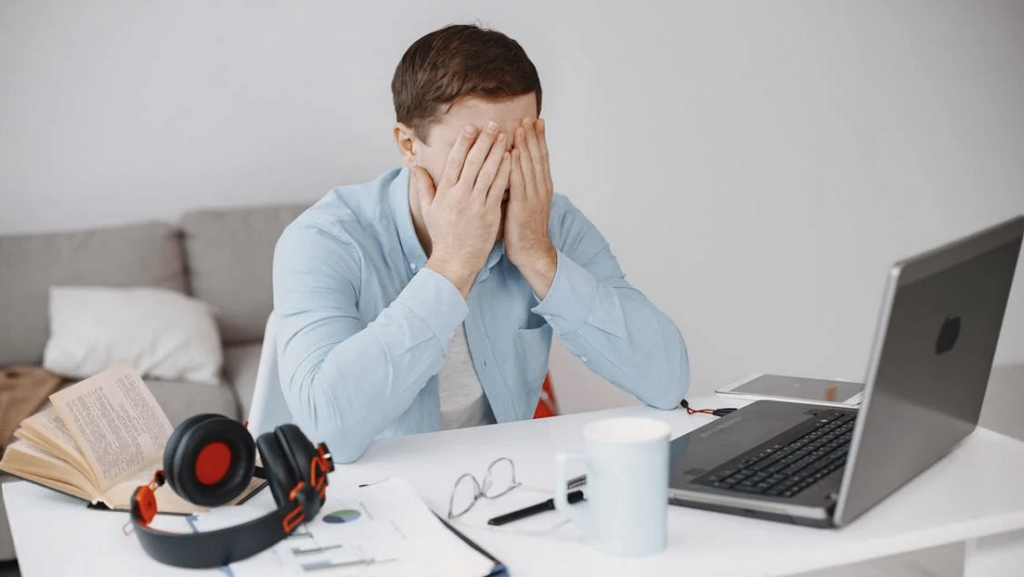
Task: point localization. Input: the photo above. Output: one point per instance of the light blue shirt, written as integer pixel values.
(362, 327)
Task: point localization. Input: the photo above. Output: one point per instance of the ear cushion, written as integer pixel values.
(299, 449)
(281, 471)
(174, 442)
(212, 462)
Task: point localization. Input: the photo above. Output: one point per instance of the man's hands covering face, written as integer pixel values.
(527, 242)
(463, 213)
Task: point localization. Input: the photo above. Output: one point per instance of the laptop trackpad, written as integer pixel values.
(749, 430)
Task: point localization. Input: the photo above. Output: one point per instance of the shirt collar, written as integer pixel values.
(414, 255)
(399, 191)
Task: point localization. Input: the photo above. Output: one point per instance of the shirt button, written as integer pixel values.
(584, 359)
(412, 266)
(547, 317)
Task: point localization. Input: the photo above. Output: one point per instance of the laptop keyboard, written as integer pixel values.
(785, 469)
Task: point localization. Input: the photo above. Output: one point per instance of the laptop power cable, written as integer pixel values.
(714, 412)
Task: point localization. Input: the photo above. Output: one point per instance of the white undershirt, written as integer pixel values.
(463, 403)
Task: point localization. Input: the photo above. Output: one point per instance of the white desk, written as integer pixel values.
(976, 491)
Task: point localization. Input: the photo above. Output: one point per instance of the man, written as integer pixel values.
(426, 299)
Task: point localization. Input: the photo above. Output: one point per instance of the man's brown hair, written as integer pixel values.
(456, 62)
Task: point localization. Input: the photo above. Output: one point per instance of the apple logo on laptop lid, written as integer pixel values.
(948, 335)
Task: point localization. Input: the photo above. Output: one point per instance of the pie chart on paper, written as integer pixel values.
(342, 516)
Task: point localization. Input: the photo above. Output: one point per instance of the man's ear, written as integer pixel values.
(405, 139)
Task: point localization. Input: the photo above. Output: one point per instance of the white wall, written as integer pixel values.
(756, 166)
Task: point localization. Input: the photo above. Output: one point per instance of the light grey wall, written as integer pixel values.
(755, 165)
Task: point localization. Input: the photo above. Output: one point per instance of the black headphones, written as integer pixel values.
(209, 460)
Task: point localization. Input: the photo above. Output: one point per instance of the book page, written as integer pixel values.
(57, 486)
(24, 458)
(167, 501)
(46, 430)
(116, 422)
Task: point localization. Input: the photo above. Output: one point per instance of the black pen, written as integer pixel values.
(549, 505)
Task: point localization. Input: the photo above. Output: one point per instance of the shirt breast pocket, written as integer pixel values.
(533, 348)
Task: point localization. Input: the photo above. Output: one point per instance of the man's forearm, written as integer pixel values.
(459, 273)
(539, 271)
(618, 334)
(348, 392)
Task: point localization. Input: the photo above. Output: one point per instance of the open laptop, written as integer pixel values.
(825, 466)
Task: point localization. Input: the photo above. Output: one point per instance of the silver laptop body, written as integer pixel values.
(936, 338)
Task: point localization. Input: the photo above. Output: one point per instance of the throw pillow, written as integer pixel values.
(164, 334)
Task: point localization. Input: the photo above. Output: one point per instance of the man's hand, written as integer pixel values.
(527, 242)
(463, 214)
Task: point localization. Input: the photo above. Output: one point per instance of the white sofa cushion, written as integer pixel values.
(163, 334)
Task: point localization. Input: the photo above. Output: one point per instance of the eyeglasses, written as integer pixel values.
(499, 480)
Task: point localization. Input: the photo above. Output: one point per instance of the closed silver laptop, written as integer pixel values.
(930, 364)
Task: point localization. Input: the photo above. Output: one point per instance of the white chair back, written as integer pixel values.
(269, 408)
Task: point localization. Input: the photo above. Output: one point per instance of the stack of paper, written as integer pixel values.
(383, 529)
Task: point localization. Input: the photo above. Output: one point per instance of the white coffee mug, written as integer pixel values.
(627, 486)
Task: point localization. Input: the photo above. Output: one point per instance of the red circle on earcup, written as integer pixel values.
(213, 463)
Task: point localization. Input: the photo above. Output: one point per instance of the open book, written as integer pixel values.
(101, 439)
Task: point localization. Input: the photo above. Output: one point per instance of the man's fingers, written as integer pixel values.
(423, 185)
(536, 155)
(518, 145)
(543, 138)
(457, 155)
(526, 166)
(478, 154)
(497, 190)
(517, 184)
(490, 167)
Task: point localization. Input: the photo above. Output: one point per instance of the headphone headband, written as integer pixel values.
(213, 548)
(224, 546)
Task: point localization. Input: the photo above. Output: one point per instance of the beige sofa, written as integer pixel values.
(220, 256)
